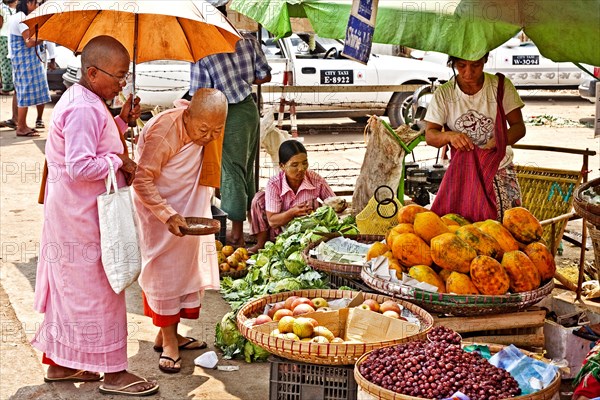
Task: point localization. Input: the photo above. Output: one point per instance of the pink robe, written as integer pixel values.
(175, 270)
(85, 322)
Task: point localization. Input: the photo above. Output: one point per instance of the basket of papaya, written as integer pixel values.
(439, 369)
(449, 265)
(338, 254)
(330, 327)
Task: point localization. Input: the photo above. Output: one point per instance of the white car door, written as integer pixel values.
(312, 69)
(523, 64)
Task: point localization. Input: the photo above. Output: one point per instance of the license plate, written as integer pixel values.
(337, 77)
(526, 60)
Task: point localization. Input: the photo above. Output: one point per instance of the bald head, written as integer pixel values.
(204, 119)
(206, 102)
(103, 50)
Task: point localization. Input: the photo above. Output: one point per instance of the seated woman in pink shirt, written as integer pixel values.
(289, 194)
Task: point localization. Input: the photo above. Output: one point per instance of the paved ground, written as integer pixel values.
(21, 373)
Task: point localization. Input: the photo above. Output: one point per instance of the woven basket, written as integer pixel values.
(548, 193)
(345, 270)
(589, 211)
(315, 353)
(234, 274)
(379, 392)
(209, 226)
(459, 305)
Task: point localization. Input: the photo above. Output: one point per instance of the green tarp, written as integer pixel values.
(563, 30)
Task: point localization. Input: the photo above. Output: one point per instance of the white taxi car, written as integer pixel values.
(523, 64)
(305, 61)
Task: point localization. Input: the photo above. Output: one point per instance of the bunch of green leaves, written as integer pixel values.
(279, 267)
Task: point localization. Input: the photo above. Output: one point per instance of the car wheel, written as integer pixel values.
(399, 109)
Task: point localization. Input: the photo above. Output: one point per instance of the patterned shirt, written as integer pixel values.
(231, 73)
(280, 197)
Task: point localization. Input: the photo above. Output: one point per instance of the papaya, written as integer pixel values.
(460, 284)
(522, 272)
(477, 224)
(453, 228)
(426, 274)
(444, 274)
(483, 243)
(393, 264)
(377, 249)
(397, 230)
(449, 221)
(411, 250)
(522, 224)
(489, 276)
(504, 238)
(428, 225)
(452, 253)
(407, 213)
(542, 258)
(459, 219)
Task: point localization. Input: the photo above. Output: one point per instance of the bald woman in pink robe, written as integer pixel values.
(178, 164)
(85, 322)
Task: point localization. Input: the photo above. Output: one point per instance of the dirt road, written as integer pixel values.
(21, 373)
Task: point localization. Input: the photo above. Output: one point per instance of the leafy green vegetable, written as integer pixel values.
(278, 267)
(227, 336)
(253, 352)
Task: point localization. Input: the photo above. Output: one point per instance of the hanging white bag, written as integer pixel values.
(119, 240)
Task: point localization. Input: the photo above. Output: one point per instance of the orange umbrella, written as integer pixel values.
(150, 30)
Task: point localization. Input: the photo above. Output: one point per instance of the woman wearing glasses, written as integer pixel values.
(292, 193)
(30, 80)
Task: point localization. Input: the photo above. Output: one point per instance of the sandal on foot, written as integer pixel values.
(123, 389)
(78, 376)
(31, 133)
(185, 346)
(169, 370)
(39, 124)
(9, 123)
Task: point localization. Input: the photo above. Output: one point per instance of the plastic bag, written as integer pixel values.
(532, 375)
(382, 164)
(271, 137)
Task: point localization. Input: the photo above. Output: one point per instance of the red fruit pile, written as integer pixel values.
(435, 370)
(444, 335)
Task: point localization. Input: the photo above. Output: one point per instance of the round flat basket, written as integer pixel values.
(317, 353)
(455, 304)
(345, 270)
(589, 211)
(379, 392)
(234, 274)
(201, 226)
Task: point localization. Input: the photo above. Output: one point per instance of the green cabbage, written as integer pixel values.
(253, 353)
(227, 336)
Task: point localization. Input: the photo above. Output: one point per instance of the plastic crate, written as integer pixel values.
(337, 281)
(221, 216)
(292, 380)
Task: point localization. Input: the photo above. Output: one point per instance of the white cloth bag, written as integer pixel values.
(119, 240)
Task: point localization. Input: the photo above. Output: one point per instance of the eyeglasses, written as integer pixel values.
(122, 80)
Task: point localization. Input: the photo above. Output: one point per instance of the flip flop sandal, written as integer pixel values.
(122, 390)
(9, 123)
(76, 377)
(40, 124)
(31, 133)
(169, 370)
(184, 346)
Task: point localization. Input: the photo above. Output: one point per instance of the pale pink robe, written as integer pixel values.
(85, 323)
(175, 270)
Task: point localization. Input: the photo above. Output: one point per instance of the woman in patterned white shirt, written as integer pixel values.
(292, 193)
